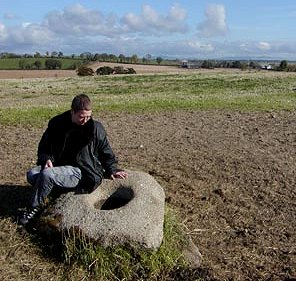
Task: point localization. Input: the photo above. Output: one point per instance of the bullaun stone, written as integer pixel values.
(119, 212)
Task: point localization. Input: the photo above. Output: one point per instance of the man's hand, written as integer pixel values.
(119, 175)
(48, 164)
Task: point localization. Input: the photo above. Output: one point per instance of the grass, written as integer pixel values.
(130, 263)
(76, 258)
(13, 63)
(33, 101)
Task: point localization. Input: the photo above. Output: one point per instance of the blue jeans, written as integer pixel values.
(64, 177)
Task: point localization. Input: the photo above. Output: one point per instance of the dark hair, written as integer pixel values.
(81, 102)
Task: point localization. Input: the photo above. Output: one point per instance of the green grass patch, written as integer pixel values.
(14, 63)
(131, 263)
(32, 101)
(32, 117)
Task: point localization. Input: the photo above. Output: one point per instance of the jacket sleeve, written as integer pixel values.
(105, 153)
(44, 152)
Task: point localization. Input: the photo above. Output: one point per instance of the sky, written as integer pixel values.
(188, 29)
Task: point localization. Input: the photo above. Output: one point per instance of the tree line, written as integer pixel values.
(243, 65)
(55, 60)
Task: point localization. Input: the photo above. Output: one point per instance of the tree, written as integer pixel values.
(121, 58)
(37, 55)
(86, 55)
(254, 65)
(53, 64)
(37, 64)
(159, 60)
(134, 58)
(283, 65)
(22, 64)
(148, 57)
(112, 58)
(244, 66)
(207, 64)
(104, 57)
(236, 64)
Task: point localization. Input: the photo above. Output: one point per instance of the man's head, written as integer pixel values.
(81, 109)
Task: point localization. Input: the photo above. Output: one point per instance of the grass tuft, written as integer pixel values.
(129, 263)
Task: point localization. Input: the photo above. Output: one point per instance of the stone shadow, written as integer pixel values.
(13, 198)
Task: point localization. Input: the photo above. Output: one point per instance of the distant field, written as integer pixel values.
(11, 73)
(14, 63)
(28, 74)
(35, 100)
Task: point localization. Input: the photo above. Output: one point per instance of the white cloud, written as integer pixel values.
(153, 23)
(3, 33)
(33, 34)
(214, 23)
(264, 46)
(198, 46)
(79, 21)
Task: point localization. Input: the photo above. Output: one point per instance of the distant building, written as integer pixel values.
(187, 64)
(267, 67)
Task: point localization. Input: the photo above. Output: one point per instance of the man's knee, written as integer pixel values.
(47, 175)
(33, 174)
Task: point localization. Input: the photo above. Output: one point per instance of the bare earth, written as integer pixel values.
(231, 175)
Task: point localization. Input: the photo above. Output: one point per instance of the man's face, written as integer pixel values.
(81, 117)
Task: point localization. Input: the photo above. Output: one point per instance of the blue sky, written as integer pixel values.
(178, 29)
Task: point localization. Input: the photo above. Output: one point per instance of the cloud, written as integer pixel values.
(76, 20)
(9, 16)
(153, 23)
(214, 23)
(3, 33)
(264, 46)
(30, 34)
(199, 46)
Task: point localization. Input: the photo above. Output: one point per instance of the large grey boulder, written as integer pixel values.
(118, 212)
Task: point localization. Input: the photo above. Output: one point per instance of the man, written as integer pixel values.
(73, 153)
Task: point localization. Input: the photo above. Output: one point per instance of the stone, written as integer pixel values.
(192, 254)
(119, 212)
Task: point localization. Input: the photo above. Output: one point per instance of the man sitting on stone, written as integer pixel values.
(73, 153)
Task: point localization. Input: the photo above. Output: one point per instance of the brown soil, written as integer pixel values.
(23, 74)
(231, 175)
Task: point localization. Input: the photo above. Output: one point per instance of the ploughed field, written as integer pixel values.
(231, 175)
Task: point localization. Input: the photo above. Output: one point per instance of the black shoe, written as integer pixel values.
(28, 215)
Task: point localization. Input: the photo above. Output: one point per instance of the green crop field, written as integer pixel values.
(14, 63)
(35, 100)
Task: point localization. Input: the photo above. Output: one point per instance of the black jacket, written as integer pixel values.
(90, 149)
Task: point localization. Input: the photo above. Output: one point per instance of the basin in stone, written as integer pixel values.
(119, 212)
